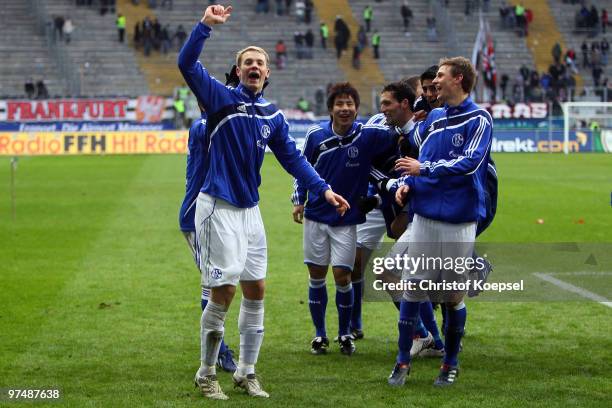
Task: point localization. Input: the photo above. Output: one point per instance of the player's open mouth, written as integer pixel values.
(253, 75)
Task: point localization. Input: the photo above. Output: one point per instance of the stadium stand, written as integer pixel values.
(25, 53)
(405, 55)
(245, 27)
(104, 66)
(565, 17)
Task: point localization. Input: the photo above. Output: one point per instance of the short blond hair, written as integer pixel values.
(461, 66)
(240, 53)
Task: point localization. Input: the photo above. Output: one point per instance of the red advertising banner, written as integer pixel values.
(145, 109)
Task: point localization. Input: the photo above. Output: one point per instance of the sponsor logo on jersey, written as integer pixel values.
(353, 152)
(323, 147)
(457, 139)
(453, 154)
(265, 131)
(241, 108)
(216, 273)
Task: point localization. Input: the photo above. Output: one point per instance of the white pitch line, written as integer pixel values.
(575, 289)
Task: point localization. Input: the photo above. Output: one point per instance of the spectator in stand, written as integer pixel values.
(356, 56)
(300, 11)
(167, 3)
(156, 34)
(30, 89)
(432, 33)
(592, 21)
(506, 13)
(309, 42)
(308, 6)
(319, 101)
(180, 36)
(263, 6)
(556, 52)
(597, 72)
(137, 35)
(604, 20)
(503, 84)
(68, 30)
(545, 81)
(165, 39)
(368, 14)
(298, 39)
(120, 23)
(58, 23)
(406, 13)
(570, 60)
(521, 20)
(467, 8)
(147, 36)
(362, 38)
(342, 35)
(376, 44)
(281, 54)
(518, 89)
(279, 7)
(303, 105)
(585, 54)
(324, 30)
(288, 7)
(595, 53)
(605, 49)
(41, 90)
(486, 4)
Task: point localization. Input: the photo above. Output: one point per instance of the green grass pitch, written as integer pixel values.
(99, 295)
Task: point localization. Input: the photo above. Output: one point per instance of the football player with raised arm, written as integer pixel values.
(230, 237)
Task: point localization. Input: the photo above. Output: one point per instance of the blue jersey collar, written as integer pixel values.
(247, 93)
(453, 110)
(354, 129)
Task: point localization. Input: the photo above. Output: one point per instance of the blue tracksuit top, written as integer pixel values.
(240, 126)
(454, 154)
(194, 173)
(344, 161)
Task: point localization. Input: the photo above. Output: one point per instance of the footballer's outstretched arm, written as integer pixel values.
(207, 89)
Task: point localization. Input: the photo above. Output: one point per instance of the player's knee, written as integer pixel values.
(253, 289)
(317, 271)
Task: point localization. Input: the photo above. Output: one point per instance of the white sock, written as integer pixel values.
(250, 325)
(211, 334)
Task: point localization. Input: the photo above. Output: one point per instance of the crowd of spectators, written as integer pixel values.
(150, 35)
(590, 20)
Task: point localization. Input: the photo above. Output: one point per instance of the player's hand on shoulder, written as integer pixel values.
(298, 213)
(400, 194)
(342, 206)
(216, 14)
(419, 116)
(408, 166)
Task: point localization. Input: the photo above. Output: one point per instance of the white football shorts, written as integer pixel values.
(442, 249)
(230, 241)
(371, 233)
(325, 245)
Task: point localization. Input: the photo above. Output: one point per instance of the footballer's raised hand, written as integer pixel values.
(400, 195)
(298, 213)
(342, 206)
(216, 15)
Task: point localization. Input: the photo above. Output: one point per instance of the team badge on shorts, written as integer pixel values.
(353, 152)
(265, 131)
(216, 273)
(457, 139)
